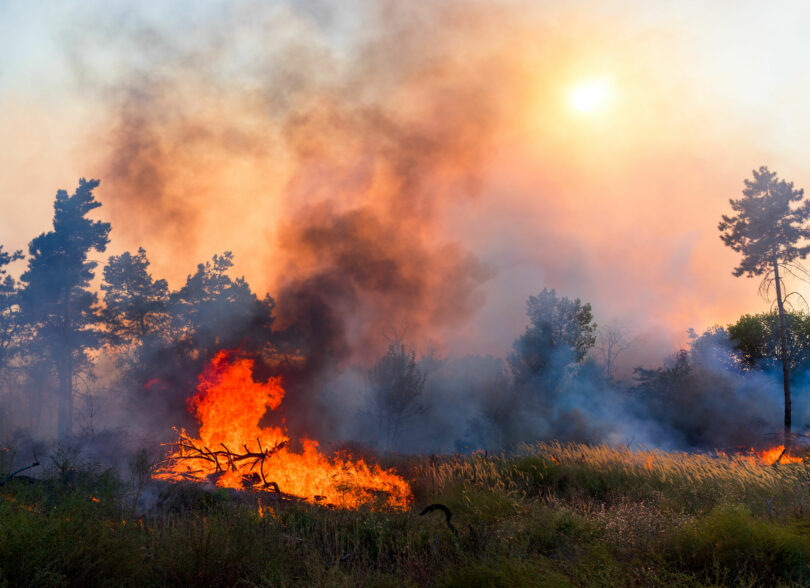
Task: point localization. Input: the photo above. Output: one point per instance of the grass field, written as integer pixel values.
(544, 515)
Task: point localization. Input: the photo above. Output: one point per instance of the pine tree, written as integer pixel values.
(769, 231)
(56, 298)
(135, 304)
(213, 311)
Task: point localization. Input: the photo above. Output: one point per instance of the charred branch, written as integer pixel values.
(220, 460)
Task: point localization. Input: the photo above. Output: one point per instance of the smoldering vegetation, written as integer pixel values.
(700, 398)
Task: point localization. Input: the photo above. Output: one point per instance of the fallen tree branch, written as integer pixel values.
(19, 471)
(218, 460)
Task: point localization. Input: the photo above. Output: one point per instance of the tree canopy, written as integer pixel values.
(560, 330)
(768, 225)
(135, 304)
(756, 338)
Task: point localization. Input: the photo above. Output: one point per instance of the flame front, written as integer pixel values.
(778, 453)
(770, 456)
(235, 452)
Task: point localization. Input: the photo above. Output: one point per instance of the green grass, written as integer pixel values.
(547, 515)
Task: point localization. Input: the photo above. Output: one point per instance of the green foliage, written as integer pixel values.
(504, 574)
(770, 231)
(561, 331)
(554, 515)
(756, 338)
(185, 497)
(730, 544)
(135, 304)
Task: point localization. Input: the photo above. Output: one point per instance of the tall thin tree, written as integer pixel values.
(56, 297)
(769, 230)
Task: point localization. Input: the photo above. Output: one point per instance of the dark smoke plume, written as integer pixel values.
(375, 142)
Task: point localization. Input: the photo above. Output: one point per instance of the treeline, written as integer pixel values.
(57, 333)
(722, 390)
(66, 345)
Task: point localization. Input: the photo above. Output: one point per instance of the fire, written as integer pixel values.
(235, 452)
(770, 456)
(774, 454)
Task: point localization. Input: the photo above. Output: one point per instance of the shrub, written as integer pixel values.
(729, 544)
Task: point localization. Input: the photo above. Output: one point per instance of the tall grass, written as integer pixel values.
(688, 482)
(548, 514)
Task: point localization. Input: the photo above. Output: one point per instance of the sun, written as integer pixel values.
(590, 95)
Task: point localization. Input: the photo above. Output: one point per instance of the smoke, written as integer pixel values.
(390, 169)
(698, 399)
(351, 149)
(262, 129)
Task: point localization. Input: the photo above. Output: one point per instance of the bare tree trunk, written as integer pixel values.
(783, 354)
(65, 414)
(65, 367)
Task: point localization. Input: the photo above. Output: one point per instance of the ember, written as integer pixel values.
(234, 452)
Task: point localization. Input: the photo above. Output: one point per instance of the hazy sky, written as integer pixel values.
(220, 125)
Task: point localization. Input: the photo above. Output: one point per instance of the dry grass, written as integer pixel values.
(549, 514)
(686, 482)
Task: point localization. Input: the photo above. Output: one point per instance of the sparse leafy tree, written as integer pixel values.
(56, 297)
(397, 385)
(610, 343)
(768, 229)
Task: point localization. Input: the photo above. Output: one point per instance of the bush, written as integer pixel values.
(728, 545)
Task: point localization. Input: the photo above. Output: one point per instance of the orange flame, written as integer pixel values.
(236, 453)
(774, 454)
(770, 456)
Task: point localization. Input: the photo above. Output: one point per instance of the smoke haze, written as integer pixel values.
(389, 169)
(215, 127)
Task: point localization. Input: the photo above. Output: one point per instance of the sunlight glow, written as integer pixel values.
(590, 95)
